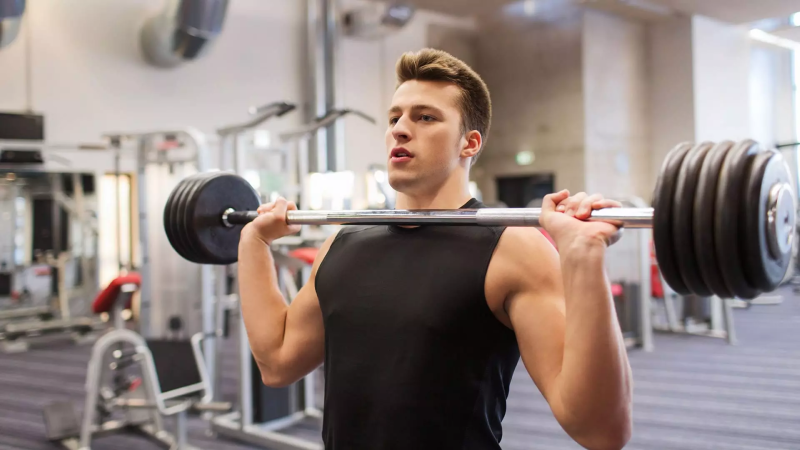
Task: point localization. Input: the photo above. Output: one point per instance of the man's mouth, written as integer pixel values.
(400, 154)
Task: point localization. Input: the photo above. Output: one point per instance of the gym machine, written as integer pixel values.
(230, 155)
(172, 381)
(170, 288)
(265, 413)
(48, 256)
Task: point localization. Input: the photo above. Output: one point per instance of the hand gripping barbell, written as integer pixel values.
(723, 218)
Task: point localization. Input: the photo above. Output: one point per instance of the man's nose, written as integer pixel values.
(401, 131)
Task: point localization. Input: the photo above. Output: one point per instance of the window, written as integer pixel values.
(115, 226)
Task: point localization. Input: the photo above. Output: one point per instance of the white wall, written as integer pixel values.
(617, 151)
(721, 80)
(772, 114)
(88, 77)
(534, 73)
(670, 68)
(615, 90)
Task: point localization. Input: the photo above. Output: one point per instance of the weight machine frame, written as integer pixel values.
(240, 424)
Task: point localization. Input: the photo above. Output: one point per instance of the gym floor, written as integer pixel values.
(691, 393)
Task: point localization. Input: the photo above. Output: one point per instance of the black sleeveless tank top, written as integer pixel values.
(414, 357)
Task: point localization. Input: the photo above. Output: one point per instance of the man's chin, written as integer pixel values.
(402, 182)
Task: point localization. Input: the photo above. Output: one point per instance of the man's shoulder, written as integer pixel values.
(523, 256)
(519, 242)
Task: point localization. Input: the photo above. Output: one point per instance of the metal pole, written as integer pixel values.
(120, 265)
(329, 82)
(645, 293)
(144, 268)
(512, 217)
(322, 42)
(245, 378)
(626, 217)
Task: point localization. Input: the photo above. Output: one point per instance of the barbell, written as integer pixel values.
(723, 218)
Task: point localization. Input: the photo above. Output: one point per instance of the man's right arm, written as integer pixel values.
(287, 340)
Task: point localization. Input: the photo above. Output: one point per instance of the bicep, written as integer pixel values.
(536, 309)
(303, 346)
(304, 339)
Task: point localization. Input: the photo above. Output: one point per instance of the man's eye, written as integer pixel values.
(393, 120)
(427, 118)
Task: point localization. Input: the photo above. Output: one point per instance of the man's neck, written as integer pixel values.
(452, 195)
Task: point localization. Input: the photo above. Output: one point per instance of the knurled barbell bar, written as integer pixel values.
(723, 218)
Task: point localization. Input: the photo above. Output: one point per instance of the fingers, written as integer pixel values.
(584, 209)
(550, 201)
(581, 204)
(606, 203)
(573, 203)
(266, 207)
(271, 223)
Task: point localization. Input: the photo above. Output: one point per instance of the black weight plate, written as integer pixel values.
(663, 198)
(170, 216)
(177, 206)
(727, 225)
(763, 269)
(185, 216)
(166, 217)
(683, 216)
(753, 213)
(704, 212)
(220, 244)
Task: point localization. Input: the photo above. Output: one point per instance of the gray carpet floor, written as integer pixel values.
(690, 393)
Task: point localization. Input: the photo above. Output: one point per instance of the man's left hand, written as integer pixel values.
(564, 218)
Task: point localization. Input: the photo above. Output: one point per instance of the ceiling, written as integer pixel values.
(733, 11)
(736, 11)
(789, 33)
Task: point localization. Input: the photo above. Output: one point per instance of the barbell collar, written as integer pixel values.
(780, 219)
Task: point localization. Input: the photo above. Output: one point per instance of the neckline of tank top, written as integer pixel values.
(471, 203)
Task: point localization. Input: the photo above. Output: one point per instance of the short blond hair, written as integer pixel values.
(436, 65)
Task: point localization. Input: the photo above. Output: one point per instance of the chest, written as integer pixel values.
(421, 285)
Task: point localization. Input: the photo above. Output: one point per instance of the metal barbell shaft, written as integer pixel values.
(514, 217)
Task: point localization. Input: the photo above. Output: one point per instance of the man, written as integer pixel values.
(421, 328)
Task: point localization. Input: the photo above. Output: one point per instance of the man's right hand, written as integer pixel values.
(271, 222)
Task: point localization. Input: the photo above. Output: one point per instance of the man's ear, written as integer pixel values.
(472, 144)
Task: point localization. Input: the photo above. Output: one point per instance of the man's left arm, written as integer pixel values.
(561, 309)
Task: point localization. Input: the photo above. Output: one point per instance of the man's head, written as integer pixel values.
(440, 116)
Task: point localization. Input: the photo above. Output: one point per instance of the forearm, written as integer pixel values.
(264, 308)
(595, 381)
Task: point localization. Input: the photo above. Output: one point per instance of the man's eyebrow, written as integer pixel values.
(397, 109)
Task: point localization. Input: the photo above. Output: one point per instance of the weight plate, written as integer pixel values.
(728, 229)
(765, 267)
(167, 217)
(171, 216)
(683, 216)
(663, 198)
(185, 216)
(177, 205)
(703, 219)
(219, 244)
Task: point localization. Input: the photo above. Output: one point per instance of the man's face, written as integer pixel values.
(423, 137)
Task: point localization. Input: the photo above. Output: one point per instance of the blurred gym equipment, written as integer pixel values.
(264, 412)
(48, 256)
(172, 380)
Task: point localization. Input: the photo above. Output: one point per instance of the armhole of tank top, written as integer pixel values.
(498, 233)
(336, 239)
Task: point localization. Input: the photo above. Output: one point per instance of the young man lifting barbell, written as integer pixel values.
(421, 328)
